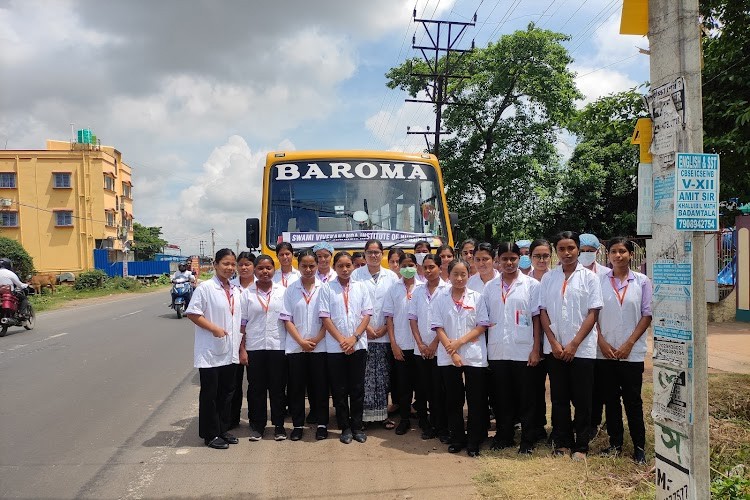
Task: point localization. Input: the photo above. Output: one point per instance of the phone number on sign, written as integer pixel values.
(707, 224)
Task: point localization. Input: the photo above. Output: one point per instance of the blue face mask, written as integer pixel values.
(524, 262)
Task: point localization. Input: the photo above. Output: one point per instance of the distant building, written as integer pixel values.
(63, 202)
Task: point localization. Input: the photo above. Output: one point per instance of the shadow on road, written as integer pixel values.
(184, 433)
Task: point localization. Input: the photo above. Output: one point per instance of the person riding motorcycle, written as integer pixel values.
(183, 273)
(10, 279)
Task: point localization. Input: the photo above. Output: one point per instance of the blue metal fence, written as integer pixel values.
(135, 268)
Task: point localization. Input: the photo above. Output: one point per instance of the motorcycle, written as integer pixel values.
(9, 313)
(181, 292)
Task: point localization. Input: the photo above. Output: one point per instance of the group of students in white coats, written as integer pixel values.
(436, 332)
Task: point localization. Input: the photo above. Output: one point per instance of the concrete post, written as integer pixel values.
(680, 354)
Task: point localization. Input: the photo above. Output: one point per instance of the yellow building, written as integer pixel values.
(63, 202)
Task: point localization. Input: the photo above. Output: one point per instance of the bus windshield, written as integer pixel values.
(347, 202)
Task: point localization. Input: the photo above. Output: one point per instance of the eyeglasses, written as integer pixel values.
(541, 257)
(374, 253)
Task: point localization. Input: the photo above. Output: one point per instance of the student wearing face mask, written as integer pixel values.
(589, 252)
(524, 261)
(421, 250)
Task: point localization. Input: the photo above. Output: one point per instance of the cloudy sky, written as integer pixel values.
(195, 92)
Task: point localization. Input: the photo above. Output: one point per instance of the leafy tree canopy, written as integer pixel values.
(500, 154)
(147, 241)
(23, 264)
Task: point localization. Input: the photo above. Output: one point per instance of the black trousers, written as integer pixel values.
(512, 382)
(266, 376)
(406, 372)
(597, 400)
(474, 392)
(346, 373)
(308, 373)
(236, 405)
(430, 391)
(217, 388)
(571, 382)
(622, 379)
(539, 395)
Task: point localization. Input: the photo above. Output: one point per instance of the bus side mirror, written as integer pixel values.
(453, 217)
(252, 233)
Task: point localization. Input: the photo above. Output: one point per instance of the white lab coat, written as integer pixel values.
(457, 320)
(332, 306)
(420, 310)
(617, 321)
(396, 305)
(287, 279)
(305, 315)
(510, 334)
(567, 312)
(377, 291)
(264, 331)
(210, 301)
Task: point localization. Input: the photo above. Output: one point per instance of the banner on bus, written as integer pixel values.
(357, 239)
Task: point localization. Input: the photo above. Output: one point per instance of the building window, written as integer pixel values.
(62, 180)
(63, 217)
(110, 218)
(7, 180)
(109, 183)
(126, 190)
(9, 219)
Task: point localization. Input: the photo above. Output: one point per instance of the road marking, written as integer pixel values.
(128, 314)
(58, 335)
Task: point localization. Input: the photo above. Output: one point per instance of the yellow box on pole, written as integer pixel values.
(642, 137)
(634, 20)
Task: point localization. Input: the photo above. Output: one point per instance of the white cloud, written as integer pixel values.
(594, 83)
(389, 126)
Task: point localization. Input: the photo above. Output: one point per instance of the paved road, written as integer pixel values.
(100, 401)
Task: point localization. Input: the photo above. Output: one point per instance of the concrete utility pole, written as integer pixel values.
(676, 257)
(213, 242)
(440, 68)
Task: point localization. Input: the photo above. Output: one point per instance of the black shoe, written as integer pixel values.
(472, 453)
(296, 434)
(639, 456)
(321, 433)
(279, 433)
(217, 443)
(403, 426)
(346, 436)
(444, 438)
(561, 452)
(525, 449)
(229, 439)
(611, 452)
(255, 435)
(360, 436)
(455, 447)
(428, 433)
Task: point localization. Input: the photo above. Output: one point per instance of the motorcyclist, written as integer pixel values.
(183, 273)
(9, 278)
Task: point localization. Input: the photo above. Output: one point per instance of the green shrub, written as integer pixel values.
(124, 283)
(164, 279)
(90, 280)
(23, 265)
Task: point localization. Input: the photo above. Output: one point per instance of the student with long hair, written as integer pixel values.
(345, 309)
(429, 383)
(376, 280)
(467, 253)
(462, 357)
(306, 349)
(510, 309)
(359, 259)
(570, 301)
(245, 278)
(264, 342)
(394, 254)
(215, 310)
(287, 274)
(396, 312)
(541, 258)
(624, 319)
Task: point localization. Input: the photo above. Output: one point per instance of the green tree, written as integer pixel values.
(599, 185)
(499, 159)
(23, 264)
(726, 91)
(147, 241)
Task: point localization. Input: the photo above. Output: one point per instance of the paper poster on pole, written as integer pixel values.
(671, 394)
(696, 206)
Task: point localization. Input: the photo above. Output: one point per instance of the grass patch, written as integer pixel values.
(64, 294)
(506, 475)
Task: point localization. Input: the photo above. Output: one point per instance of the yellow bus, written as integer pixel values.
(348, 197)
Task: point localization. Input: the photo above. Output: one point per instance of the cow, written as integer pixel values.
(39, 281)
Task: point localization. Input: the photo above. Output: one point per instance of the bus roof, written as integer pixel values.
(354, 154)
